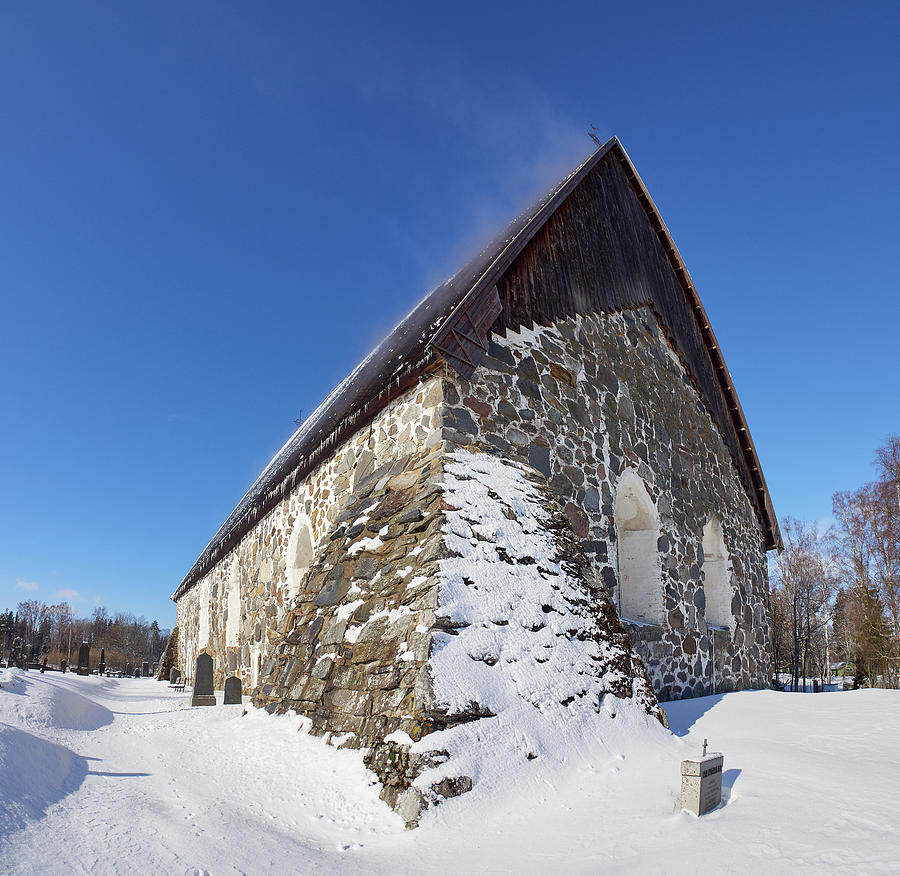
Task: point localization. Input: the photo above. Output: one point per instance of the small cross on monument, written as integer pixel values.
(701, 781)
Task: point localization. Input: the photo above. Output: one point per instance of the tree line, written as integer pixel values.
(835, 595)
(55, 633)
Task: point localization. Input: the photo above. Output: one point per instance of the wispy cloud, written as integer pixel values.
(31, 586)
(68, 595)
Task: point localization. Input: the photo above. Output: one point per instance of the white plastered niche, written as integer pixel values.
(640, 595)
(717, 576)
(233, 605)
(300, 552)
(203, 630)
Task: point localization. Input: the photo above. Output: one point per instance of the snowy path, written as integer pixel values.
(153, 786)
(122, 776)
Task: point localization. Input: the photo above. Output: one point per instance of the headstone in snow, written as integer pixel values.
(233, 691)
(145, 669)
(84, 659)
(62, 666)
(128, 670)
(174, 675)
(203, 682)
(701, 782)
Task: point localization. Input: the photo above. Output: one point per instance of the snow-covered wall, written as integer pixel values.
(592, 402)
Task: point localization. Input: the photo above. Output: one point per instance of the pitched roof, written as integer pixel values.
(452, 322)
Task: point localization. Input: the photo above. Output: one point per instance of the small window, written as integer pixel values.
(716, 576)
(637, 529)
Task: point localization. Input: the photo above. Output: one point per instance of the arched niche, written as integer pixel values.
(203, 625)
(716, 576)
(300, 551)
(637, 531)
(233, 606)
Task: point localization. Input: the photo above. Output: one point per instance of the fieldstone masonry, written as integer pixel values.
(237, 610)
(355, 646)
(328, 605)
(169, 660)
(586, 399)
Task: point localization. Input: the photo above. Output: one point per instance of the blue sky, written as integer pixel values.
(212, 211)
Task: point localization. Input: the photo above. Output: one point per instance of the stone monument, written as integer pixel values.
(102, 667)
(174, 675)
(233, 691)
(84, 659)
(701, 782)
(145, 669)
(203, 682)
(62, 666)
(128, 670)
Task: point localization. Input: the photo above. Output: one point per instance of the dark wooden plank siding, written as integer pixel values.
(599, 253)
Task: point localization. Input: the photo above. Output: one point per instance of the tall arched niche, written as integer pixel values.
(233, 606)
(299, 552)
(203, 626)
(716, 576)
(640, 594)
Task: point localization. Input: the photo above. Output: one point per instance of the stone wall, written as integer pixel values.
(588, 399)
(583, 402)
(238, 609)
(412, 620)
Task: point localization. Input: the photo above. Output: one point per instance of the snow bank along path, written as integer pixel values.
(122, 776)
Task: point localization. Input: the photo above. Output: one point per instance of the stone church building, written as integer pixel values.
(568, 374)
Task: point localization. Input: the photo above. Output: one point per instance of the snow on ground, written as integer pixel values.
(122, 776)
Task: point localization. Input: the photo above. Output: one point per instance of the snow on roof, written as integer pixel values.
(405, 350)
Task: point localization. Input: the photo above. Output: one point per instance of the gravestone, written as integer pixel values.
(701, 782)
(233, 691)
(145, 669)
(203, 682)
(102, 666)
(128, 670)
(84, 659)
(174, 675)
(62, 666)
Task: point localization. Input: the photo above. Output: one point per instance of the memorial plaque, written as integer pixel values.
(233, 691)
(84, 659)
(701, 783)
(203, 682)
